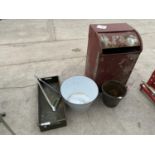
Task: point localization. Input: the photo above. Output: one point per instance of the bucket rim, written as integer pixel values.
(118, 82)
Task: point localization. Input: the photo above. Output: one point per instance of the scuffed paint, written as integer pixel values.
(132, 40)
(96, 67)
(116, 41)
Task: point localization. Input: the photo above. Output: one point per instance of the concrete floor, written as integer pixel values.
(47, 48)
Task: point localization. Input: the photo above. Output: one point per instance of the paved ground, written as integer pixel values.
(46, 48)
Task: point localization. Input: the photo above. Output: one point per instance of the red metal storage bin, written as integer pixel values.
(113, 50)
